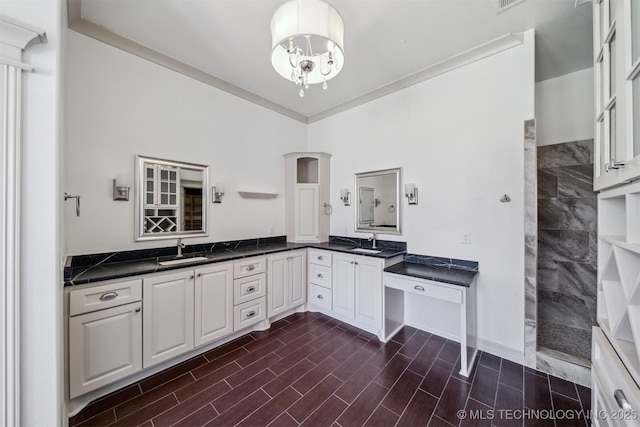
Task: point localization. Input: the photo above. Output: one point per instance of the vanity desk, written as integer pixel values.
(452, 283)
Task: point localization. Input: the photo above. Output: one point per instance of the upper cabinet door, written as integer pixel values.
(617, 96)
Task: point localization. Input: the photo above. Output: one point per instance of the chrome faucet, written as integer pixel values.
(373, 240)
(180, 248)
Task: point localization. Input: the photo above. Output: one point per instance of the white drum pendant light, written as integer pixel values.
(307, 41)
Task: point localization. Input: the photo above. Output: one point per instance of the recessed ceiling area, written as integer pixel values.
(388, 44)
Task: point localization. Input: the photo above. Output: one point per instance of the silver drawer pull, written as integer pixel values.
(251, 268)
(251, 314)
(418, 288)
(320, 297)
(251, 288)
(320, 258)
(138, 310)
(623, 403)
(320, 275)
(108, 296)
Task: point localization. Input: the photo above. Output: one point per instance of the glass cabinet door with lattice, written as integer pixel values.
(617, 95)
(162, 198)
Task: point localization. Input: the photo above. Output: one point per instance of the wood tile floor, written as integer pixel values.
(309, 369)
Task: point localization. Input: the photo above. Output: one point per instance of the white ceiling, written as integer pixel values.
(385, 41)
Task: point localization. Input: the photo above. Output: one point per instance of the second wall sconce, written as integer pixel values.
(218, 192)
(411, 192)
(345, 196)
(120, 189)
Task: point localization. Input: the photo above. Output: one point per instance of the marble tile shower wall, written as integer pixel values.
(567, 262)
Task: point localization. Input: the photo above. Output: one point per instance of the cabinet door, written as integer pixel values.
(276, 283)
(167, 316)
(307, 210)
(368, 292)
(344, 285)
(298, 278)
(213, 303)
(104, 346)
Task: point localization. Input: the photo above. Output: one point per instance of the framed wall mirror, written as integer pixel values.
(378, 203)
(171, 199)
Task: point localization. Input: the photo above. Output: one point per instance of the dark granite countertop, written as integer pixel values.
(451, 271)
(94, 268)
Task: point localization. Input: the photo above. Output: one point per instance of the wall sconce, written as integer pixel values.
(411, 192)
(345, 196)
(218, 192)
(120, 189)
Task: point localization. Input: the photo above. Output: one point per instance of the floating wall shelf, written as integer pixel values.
(255, 195)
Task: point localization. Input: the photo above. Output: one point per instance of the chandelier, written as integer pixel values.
(307, 39)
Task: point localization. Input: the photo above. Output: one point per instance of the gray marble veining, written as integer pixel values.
(569, 310)
(547, 183)
(530, 255)
(576, 181)
(570, 213)
(566, 154)
(563, 245)
(566, 339)
(552, 365)
(577, 279)
(530, 298)
(547, 275)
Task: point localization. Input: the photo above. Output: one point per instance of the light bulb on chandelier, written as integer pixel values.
(307, 42)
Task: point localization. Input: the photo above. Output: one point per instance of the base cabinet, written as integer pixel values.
(286, 282)
(167, 316)
(213, 303)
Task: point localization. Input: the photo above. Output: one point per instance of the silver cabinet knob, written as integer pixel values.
(320, 258)
(320, 297)
(138, 310)
(251, 288)
(251, 314)
(320, 275)
(251, 268)
(622, 401)
(418, 288)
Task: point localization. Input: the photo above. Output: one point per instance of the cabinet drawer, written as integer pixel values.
(320, 275)
(104, 296)
(249, 266)
(423, 287)
(249, 288)
(320, 297)
(611, 376)
(320, 257)
(249, 313)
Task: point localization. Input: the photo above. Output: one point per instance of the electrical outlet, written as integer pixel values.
(466, 238)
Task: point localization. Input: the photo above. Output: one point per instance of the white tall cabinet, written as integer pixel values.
(307, 197)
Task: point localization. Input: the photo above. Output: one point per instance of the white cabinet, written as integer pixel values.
(617, 101)
(307, 197)
(357, 290)
(105, 330)
(214, 296)
(320, 280)
(249, 288)
(287, 281)
(167, 316)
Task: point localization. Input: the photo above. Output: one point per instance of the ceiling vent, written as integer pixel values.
(502, 5)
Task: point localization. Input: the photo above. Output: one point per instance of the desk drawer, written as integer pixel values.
(249, 267)
(320, 257)
(249, 313)
(320, 275)
(250, 287)
(104, 296)
(424, 287)
(320, 297)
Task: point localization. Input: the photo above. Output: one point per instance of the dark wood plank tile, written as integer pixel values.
(291, 359)
(413, 345)
(326, 414)
(199, 418)
(508, 400)
(288, 377)
(252, 370)
(358, 382)
(402, 392)
(227, 400)
(477, 414)
(485, 386)
(382, 417)
(535, 372)
(220, 361)
(538, 419)
(454, 398)
(352, 364)
(511, 374)
(259, 352)
(436, 341)
(361, 408)
(263, 338)
(101, 419)
(171, 373)
(346, 351)
(284, 420)
(207, 381)
(314, 398)
(558, 385)
(105, 403)
(189, 406)
(149, 397)
(585, 397)
(404, 334)
(241, 410)
(572, 414)
(328, 349)
(390, 373)
(148, 412)
(385, 354)
(315, 375)
(450, 352)
(489, 360)
(536, 391)
(423, 360)
(227, 348)
(272, 409)
(437, 377)
(419, 410)
(436, 421)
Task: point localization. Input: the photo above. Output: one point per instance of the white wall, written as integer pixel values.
(41, 229)
(120, 105)
(565, 108)
(459, 138)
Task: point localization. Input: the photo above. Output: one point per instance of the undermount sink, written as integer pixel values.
(183, 260)
(367, 251)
